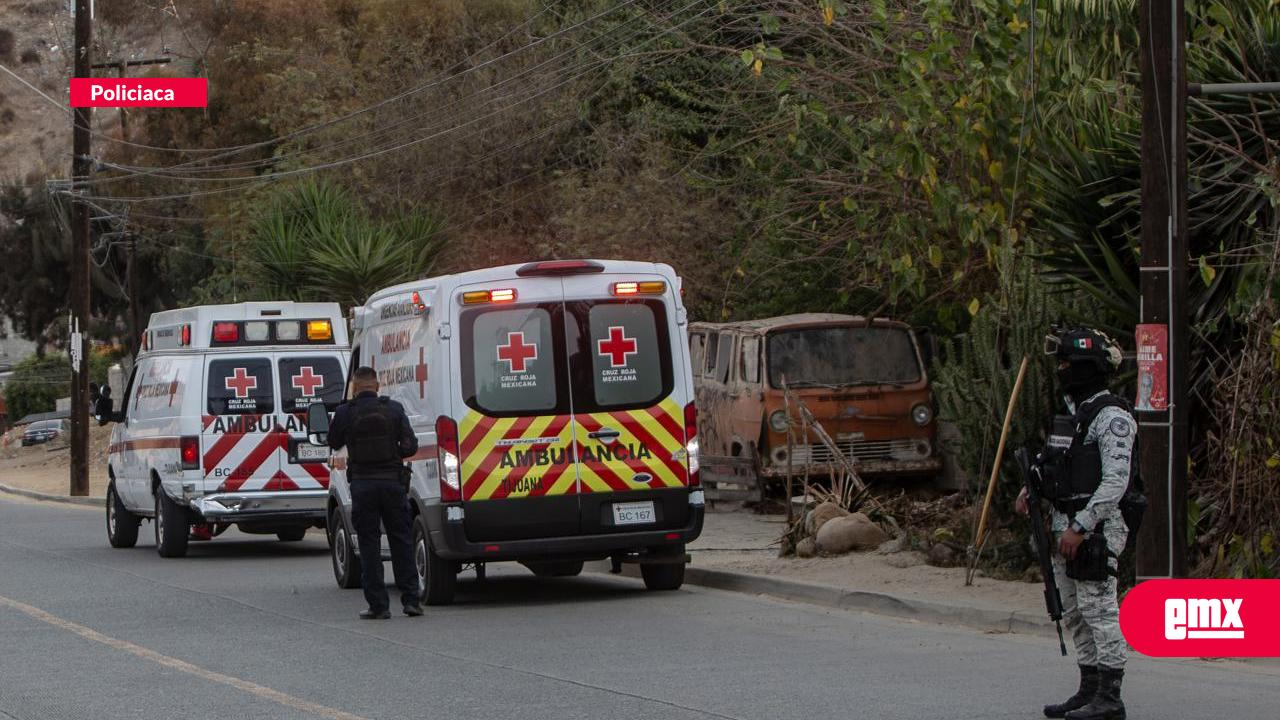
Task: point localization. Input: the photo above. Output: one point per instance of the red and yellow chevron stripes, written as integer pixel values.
(535, 456)
(516, 457)
(651, 442)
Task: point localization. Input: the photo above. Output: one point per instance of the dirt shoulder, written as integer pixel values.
(744, 542)
(46, 468)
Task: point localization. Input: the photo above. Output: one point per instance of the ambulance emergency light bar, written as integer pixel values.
(644, 287)
(479, 297)
(258, 332)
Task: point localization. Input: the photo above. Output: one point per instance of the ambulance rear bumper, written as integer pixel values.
(304, 506)
(449, 539)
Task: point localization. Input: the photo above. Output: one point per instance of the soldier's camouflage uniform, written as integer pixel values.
(1090, 608)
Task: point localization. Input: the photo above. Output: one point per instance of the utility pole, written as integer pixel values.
(1162, 541)
(131, 266)
(79, 317)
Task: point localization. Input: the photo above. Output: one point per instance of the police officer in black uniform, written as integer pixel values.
(377, 435)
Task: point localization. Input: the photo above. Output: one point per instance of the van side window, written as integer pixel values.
(305, 381)
(724, 358)
(713, 343)
(697, 351)
(241, 387)
(749, 370)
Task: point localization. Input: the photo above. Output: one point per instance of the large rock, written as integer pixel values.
(806, 548)
(942, 555)
(821, 515)
(851, 532)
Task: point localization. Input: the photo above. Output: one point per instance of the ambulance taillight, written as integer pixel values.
(189, 448)
(186, 335)
(559, 267)
(447, 448)
(226, 332)
(691, 444)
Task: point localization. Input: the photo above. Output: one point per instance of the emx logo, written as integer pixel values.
(1203, 618)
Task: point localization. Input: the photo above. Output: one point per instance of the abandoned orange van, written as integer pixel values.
(863, 380)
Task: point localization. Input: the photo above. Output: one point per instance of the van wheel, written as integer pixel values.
(292, 534)
(437, 577)
(122, 525)
(559, 568)
(346, 566)
(664, 576)
(172, 528)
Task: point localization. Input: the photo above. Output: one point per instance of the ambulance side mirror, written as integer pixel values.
(103, 408)
(318, 424)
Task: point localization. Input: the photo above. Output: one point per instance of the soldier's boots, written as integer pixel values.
(1088, 687)
(1106, 704)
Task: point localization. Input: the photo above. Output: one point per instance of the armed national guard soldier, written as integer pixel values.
(378, 437)
(1087, 468)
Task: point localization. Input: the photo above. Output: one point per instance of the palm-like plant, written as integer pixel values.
(315, 242)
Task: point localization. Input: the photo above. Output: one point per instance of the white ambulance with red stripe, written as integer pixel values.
(211, 430)
(553, 404)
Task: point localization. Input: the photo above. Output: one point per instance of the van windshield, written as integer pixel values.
(842, 356)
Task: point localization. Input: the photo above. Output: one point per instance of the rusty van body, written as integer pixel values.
(863, 380)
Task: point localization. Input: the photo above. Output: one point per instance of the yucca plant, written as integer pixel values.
(315, 242)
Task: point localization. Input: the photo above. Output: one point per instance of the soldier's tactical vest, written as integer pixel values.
(1072, 468)
(373, 440)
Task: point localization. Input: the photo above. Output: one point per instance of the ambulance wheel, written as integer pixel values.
(172, 528)
(665, 576)
(292, 534)
(122, 525)
(346, 566)
(437, 577)
(559, 568)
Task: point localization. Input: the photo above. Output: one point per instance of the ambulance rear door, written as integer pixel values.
(305, 379)
(629, 397)
(241, 446)
(514, 418)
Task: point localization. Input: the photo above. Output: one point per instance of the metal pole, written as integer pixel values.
(79, 316)
(1161, 550)
(1232, 88)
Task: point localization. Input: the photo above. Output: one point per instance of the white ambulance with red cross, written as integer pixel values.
(553, 404)
(211, 430)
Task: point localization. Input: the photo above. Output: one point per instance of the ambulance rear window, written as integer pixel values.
(629, 350)
(305, 381)
(240, 387)
(509, 361)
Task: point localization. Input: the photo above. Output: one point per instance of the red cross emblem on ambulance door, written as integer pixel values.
(516, 353)
(307, 381)
(618, 346)
(242, 382)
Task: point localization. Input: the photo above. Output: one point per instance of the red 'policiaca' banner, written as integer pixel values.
(1203, 618)
(140, 92)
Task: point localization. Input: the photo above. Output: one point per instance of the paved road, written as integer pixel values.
(249, 627)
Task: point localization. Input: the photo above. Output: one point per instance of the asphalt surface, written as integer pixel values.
(250, 627)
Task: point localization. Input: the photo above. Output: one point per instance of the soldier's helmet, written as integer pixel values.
(1084, 345)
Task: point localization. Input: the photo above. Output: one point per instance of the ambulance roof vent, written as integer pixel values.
(559, 267)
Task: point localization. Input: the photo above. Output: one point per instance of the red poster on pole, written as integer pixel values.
(1153, 367)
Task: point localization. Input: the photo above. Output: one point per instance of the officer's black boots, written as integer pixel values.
(1106, 704)
(375, 615)
(414, 610)
(1088, 687)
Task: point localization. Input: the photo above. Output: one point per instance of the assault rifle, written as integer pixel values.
(1042, 541)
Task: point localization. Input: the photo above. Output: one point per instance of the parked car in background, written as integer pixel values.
(42, 431)
(863, 379)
